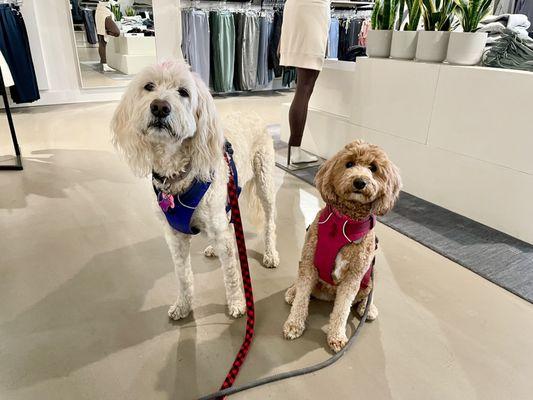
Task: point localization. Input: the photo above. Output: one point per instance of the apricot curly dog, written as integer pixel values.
(357, 184)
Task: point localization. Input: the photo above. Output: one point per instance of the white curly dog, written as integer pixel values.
(166, 125)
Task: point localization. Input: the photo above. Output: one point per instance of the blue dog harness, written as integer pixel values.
(179, 208)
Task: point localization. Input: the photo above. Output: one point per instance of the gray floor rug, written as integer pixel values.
(496, 256)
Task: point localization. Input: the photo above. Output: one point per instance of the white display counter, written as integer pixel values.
(462, 136)
(130, 54)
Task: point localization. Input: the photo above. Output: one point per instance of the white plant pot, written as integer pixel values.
(378, 43)
(404, 45)
(432, 46)
(466, 48)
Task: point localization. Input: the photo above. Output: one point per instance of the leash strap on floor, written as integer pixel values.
(246, 280)
(302, 371)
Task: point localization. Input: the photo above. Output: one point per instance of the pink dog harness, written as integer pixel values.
(336, 230)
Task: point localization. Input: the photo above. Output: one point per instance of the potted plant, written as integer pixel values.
(432, 44)
(466, 48)
(382, 23)
(404, 41)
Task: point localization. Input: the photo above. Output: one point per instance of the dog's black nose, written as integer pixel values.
(359, 184)
(160, 108)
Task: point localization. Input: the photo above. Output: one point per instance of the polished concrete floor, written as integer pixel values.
(86, 279)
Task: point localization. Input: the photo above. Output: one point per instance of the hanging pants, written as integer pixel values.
(198, 36)
(15, 47)
(90, 27)
(264, 74)
(333, 38)
(222, 50)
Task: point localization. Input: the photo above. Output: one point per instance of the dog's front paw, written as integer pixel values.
(237, 308)
(290, 294)
(210, 251)
(293, 329)
(271, 260)
(179, 310)
(337, 341)
(372, 311)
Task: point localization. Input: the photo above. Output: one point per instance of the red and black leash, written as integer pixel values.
(246, 280)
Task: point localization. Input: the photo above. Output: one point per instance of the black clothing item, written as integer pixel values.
(354, 28)
(273, 58)
(354, 52)
(289, 75)
(90, 27)
(238, 19)
(15, 47)
(348, 36)
(76, 11)
(343, 40)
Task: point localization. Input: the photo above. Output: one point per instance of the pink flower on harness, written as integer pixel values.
(336, 230)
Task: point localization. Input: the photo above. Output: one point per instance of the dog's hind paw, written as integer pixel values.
(337, 341)
(210, 251)
(290, 294)
(271, 260)
(372, 311)
(178, 311)
(293, 329)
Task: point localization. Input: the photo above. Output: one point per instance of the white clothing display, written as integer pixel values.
(304, 33)
(6, 73)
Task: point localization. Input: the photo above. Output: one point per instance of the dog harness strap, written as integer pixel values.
(182, 206)
(179, 208)
(336, 230)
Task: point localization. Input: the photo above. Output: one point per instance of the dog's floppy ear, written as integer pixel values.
(130, 143)
(208, 140)
(323, 180)
(392, 185)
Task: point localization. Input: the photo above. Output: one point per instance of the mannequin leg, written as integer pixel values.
(306, 79)
(102, 49)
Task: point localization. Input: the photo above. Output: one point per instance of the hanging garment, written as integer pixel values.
(238, 78)
(504, 7)
(90, 27)
(264, 75)
(288, 76)
(364, 32)
(222, 50)
(102, 12)
(304, 34)
(354, 28)
(15, 47)
(185, 34)
(6, 73)
(525, 7)
(273, 58)
(198, 38)
(343, 39)
(333, 38)
(246, 51)
(76, 11)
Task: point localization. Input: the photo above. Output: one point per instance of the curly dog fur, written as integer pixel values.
(187, 143)
(335, 182)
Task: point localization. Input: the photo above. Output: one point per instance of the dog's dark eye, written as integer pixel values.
(350, 164)
(149, 86)
(183, 92)
(373, 167)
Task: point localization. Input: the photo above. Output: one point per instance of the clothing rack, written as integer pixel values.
(18, 164)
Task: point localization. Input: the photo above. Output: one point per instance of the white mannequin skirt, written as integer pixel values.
(304, 33)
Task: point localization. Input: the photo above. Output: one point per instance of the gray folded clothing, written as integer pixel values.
(510, 51)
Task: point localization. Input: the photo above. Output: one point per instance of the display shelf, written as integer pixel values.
(455, 144)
